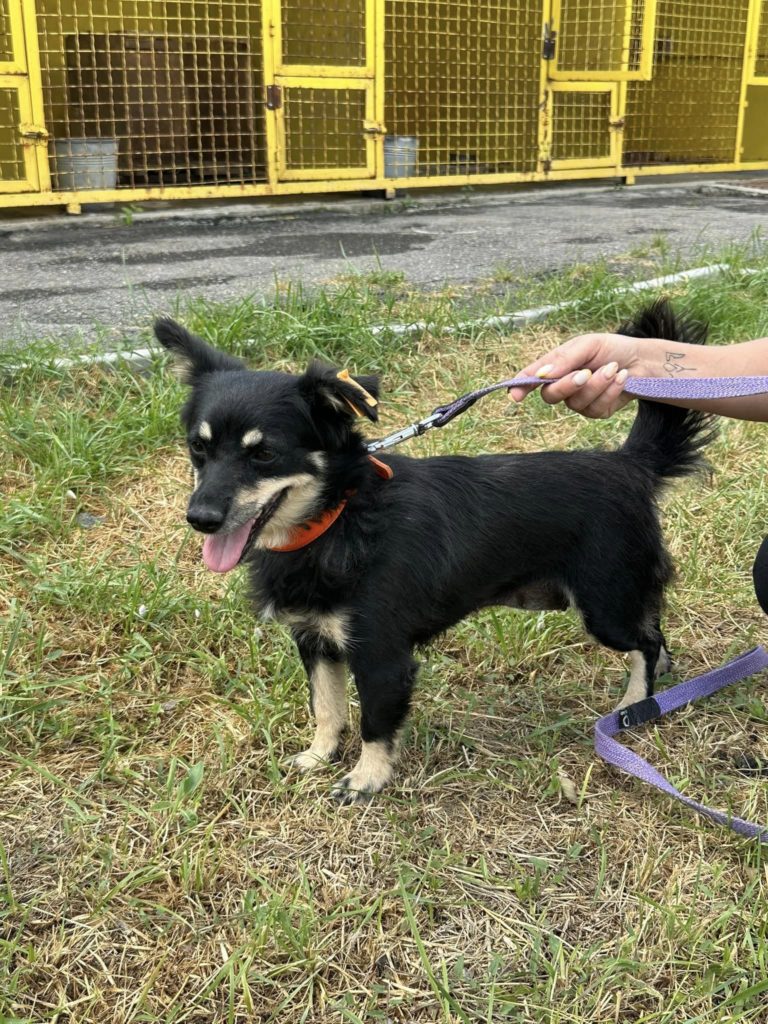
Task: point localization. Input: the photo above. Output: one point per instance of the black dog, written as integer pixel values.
(363, 568)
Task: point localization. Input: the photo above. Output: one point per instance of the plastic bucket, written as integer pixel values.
(85, 163)
(401, 153)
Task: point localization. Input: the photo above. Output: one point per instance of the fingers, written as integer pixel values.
(574, 354)
(595, 395)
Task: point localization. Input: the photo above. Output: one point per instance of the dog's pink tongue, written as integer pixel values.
(222, 551)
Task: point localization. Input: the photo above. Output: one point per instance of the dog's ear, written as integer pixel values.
(329, 390)
(192, 356)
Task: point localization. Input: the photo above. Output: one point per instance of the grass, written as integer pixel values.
(156, 862)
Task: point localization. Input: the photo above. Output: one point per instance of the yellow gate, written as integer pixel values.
(125, 100)
(21, 121)
(592, 49)
(324, 90)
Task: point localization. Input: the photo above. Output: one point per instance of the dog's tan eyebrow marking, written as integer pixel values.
(252, 438)
(205, 431)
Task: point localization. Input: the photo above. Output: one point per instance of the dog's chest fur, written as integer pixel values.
(307, 598)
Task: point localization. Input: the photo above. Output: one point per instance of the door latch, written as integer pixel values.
(549, 45)
(274, 99)
(33, 133)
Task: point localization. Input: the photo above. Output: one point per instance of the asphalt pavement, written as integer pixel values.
(104, 275)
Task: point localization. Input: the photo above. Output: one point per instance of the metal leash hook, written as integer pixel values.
(405, 434)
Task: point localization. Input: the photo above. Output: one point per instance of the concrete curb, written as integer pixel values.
(524, 317)
(416, 201)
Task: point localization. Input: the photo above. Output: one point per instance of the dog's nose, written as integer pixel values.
(204, 518)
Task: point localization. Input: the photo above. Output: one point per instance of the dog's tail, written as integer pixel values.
(665, 437)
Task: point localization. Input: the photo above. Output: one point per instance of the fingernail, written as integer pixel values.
(544, 371)
(610, 370)
(621, 376)
(581, 377)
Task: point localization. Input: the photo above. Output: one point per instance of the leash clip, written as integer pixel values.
(413, 430)
(639, 713)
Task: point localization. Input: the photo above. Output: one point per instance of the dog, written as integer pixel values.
(366, 559)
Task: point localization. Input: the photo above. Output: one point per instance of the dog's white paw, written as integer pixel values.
(369, 776)
(311, 760)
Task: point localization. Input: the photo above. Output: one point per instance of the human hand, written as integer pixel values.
(593, 368)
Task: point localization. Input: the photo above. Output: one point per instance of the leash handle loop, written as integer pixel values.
(628, 761)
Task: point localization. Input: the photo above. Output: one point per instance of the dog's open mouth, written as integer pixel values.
(223, 551)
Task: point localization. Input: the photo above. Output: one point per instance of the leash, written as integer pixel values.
(640, 387)
(756, 660)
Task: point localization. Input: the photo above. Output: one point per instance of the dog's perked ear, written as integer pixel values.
(329, 390)
(192, 356)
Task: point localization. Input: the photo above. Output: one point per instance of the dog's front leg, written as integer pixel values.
(384, 684)
(326, 670)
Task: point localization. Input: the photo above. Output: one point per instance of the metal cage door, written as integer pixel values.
(324, 98)
(23, 139)
(591, 49)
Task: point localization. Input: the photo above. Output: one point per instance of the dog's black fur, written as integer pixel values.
(410, 557)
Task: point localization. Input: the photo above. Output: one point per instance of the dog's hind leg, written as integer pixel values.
(384, 687)
(612, 626)
(328, 699)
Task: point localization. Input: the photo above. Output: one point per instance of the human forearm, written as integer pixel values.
(676, 360)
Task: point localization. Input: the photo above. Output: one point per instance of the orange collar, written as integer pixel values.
(303, 535)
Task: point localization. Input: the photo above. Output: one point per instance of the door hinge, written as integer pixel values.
(549, 45)
(617, 125)
(274, 99)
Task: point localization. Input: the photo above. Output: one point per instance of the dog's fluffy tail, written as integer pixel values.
(665, 437)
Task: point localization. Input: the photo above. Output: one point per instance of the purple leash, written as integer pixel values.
(683, 693)
(641, 387)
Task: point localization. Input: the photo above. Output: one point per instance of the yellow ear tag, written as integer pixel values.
(368, 398)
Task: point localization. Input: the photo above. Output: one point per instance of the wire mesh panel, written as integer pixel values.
(581, 127)
(323, 129)
(324, 32)
(462, 80)
(12, 168)
(599, 35)
(761, 56)
(153, 93)
(6, 42)
(688, 113)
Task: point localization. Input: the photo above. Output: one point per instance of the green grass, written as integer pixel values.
(158, 864)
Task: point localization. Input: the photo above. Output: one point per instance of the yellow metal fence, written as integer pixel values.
(122, 100)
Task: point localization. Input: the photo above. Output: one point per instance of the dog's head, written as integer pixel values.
(266, 448)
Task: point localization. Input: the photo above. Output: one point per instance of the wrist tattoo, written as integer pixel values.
(673, 364)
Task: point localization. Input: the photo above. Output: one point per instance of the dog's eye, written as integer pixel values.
(262, 454)
(197, 448)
